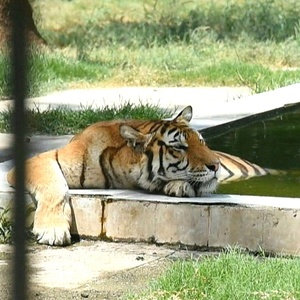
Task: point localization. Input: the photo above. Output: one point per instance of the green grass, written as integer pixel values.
(48, 71)
(66, 121)
(163, 43)
(59, 70)
(4, 75)
(145, 23)
(175, 65)
(230, 275)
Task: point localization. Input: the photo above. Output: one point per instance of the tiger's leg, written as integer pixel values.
(179, 188)
(45, 181)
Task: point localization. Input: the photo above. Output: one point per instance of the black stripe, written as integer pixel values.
(149, 155)
(177, 134)
(106, 159)
(82, 175)
(230, 172)
(173, 130)
(164, 128)
(173, 142)
(104, 170)
(113, 176)
(143, 125)
(239, 165)
(257, 169)
(175, 165)
(161, 143)
(161, 169)
(155, 127)
(57, 160)
(244, 170)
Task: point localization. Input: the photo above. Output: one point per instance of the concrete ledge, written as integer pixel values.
(268, 223)
(271, 229)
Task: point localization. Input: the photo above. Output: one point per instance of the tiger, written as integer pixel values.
(234, 168)
(166, 157)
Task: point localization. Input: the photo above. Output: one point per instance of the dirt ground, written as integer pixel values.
(132, 268)
(113, 286)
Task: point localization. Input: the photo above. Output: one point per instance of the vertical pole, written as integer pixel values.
(18, 84)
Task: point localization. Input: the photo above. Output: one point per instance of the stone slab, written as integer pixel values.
(130, 221)
(274, 230)
(281, 231)
(182, 224)
(87, 214)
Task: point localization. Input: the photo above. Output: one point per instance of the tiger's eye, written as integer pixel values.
(181, 147)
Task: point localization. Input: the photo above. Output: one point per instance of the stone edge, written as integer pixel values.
(189, 223)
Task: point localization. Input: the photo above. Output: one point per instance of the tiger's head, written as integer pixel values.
(174, 158)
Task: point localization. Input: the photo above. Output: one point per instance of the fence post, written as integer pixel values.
(19, 87)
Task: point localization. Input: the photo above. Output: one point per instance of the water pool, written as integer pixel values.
(272, 143)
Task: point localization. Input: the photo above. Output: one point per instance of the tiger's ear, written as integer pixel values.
(185, 115)
(135, 139)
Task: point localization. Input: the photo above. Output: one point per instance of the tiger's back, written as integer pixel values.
(134, 155)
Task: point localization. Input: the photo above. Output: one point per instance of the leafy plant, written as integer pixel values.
(5, 226)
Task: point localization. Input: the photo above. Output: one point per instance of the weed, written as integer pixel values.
(5, 226)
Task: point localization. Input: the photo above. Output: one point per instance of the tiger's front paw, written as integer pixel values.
(53, 230)
(179, 188)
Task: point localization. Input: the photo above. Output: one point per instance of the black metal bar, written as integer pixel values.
(18, 84)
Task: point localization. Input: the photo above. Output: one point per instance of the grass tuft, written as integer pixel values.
(67, 121)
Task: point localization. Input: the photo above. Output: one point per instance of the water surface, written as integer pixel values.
(272, 143)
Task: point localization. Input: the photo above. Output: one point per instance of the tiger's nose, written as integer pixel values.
(213, 167)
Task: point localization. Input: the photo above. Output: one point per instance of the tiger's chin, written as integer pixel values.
(206, 188)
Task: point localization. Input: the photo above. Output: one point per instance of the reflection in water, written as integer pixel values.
(273, 143)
